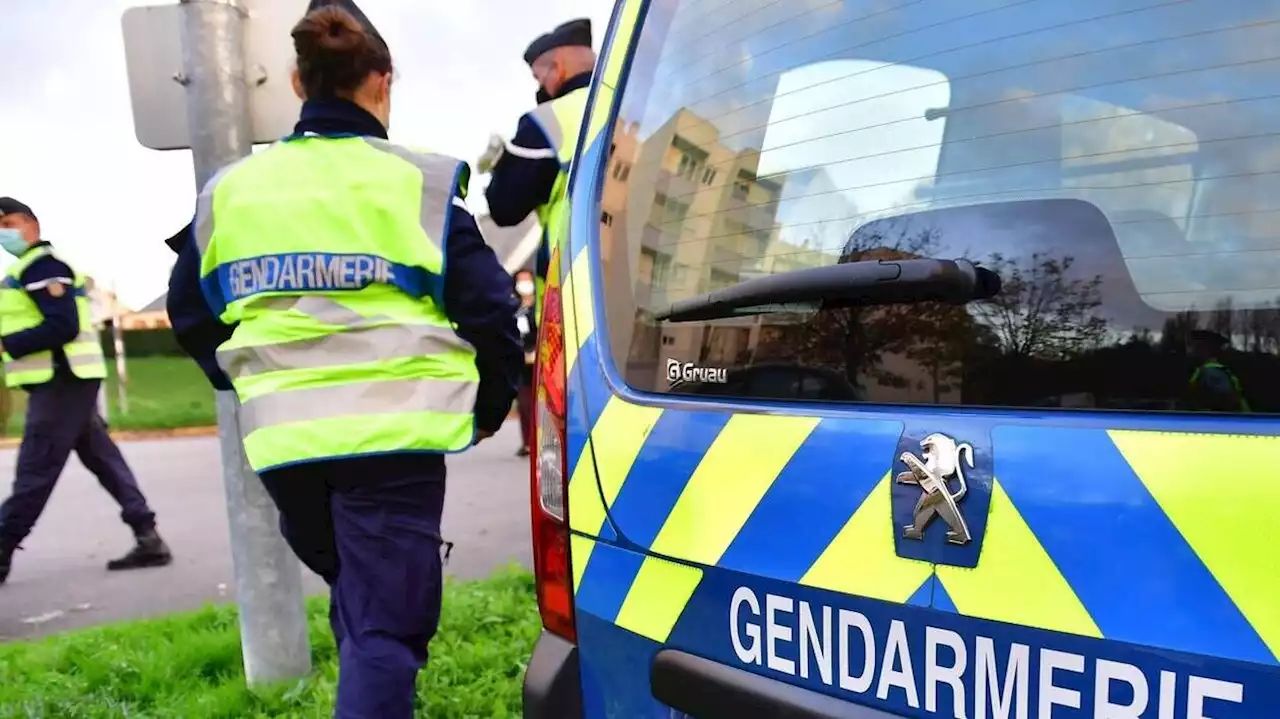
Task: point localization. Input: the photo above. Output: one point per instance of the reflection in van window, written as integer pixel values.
(1116, 161)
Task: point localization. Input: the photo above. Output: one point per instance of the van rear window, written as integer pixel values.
(1114, 161)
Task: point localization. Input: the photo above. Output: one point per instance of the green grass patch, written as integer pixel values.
(189, 665)
(163, 393)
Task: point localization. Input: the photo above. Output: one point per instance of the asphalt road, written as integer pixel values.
(59, 581)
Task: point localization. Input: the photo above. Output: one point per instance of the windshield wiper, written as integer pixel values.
(852, 284)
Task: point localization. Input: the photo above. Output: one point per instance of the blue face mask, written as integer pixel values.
(11, 241)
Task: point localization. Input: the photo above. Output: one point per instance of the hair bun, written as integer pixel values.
(335, 52)
(330, 30)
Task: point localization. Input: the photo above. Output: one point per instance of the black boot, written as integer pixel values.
(7, 548)
(150, 551)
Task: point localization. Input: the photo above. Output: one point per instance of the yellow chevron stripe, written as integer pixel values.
(1015, 580)
(627, 22)
(606, 90)
(619, 434)
(1216, 490)
(577, 298)
(599, 113)
(579, 552)
(739, 467)
(615, 442)
(861, 560)
(586, 511)
(657, 598)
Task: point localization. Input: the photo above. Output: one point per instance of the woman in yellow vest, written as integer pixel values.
(368, 331)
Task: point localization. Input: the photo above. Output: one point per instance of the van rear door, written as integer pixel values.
(1050, 503)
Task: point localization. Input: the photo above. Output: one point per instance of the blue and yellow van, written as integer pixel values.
(915, 358)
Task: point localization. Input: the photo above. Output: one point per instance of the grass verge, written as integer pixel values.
(163, 393)
(188, 666)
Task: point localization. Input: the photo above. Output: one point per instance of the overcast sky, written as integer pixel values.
(67, 145)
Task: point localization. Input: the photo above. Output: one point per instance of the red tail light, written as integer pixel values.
(549, 485)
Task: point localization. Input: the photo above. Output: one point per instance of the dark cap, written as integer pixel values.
(10, 206)
(1208, 337)
(354, 10)
(575, 33)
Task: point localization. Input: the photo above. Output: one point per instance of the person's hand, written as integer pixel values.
(481, 435)
(491, 154)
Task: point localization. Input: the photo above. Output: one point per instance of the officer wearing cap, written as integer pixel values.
(1213, 387)
(51, 350)
(530, 173)
(345, 292)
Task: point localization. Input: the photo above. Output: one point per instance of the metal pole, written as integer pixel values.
(273, 626)
(103, 410)
(117, 342)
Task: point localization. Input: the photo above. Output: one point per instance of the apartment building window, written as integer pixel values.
(688, 167)
(621, 171)
(606, 219)
(708, 176)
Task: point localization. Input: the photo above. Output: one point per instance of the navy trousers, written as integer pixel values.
(370, 527)
(62, 416)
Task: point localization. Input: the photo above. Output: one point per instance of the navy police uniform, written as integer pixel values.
(358, 522)
(62, 416)
(523, 177)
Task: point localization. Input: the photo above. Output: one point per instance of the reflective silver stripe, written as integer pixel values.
(44, 361)
(203, 226)
(341, 348)
(438, 187)
(30, 363)
(545, 114)
(532, 154)
(352, 400)
(88, 336)
(322, 309)
(33, 286)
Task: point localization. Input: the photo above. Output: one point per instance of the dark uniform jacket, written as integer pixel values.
(518, 185)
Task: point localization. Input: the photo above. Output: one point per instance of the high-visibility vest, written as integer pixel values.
(19, 312)
(1235, 381)
(327, 253)
(561, 121)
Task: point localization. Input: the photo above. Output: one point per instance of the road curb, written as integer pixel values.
(134, 435)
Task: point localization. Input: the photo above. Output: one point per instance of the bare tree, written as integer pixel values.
(1261, 327)
(1141, 336)
(1223, 318)
(1177, 331)
(1042, 311)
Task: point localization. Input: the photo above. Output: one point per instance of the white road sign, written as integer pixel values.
(153, 56)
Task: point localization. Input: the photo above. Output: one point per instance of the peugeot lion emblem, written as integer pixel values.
(942, 460)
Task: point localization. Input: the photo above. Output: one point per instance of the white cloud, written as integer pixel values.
(67, 145)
